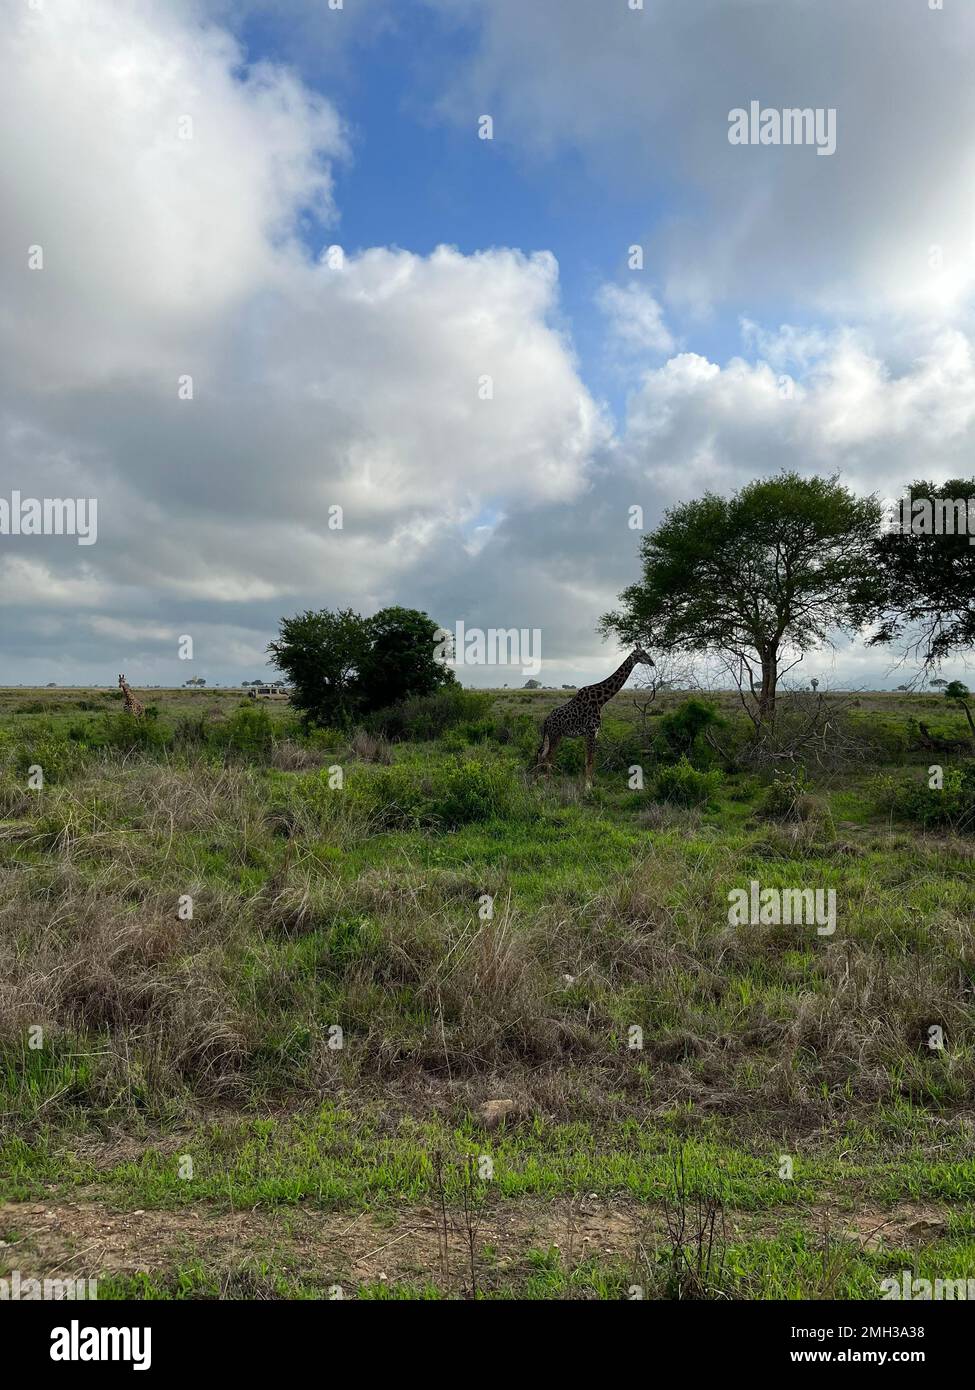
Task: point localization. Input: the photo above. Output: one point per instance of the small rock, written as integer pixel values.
(492, 1112)
(926, 1228)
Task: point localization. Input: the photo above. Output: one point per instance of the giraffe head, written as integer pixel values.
(121, 682)
(642, 657)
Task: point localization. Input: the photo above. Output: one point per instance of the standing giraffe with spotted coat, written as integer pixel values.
(580, 717)
(132, 705)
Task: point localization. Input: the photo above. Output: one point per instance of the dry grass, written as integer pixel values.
(535, 1001)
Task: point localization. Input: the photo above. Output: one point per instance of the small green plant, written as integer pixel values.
(451, 794)
(58, 758)
(787, 797)
(683, 785)
(123, 732)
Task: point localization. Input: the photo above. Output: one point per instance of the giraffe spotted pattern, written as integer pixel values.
(581, 716)
(132, 705)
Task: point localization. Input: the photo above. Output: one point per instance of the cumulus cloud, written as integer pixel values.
(159, 177)
(644, 96)
(183, 358)
(694, 424)
(636, 320)
(436, 399)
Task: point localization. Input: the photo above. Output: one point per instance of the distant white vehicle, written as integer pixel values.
(269, 692)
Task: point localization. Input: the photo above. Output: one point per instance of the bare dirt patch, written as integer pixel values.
(91, 1239)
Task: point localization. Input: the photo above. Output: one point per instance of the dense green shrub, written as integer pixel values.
(787, 796)
(681, 733)
(342, 666)
(58, 757)
(249, 730)
(744, 789)
(123, 732)
(426, 717)
(190, 730)
(951, 805)
(619, 747)
(451, 794)
(570, 756)
(682, 784)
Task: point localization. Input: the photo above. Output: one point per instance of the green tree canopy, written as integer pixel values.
(341, 665)
(399, 660)
(756, 579)
(929, 572)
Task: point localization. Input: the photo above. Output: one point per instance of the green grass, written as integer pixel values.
(362, 907)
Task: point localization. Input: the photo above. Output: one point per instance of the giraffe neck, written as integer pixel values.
(608, 688)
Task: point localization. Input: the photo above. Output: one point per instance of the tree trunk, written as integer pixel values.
(766, 699)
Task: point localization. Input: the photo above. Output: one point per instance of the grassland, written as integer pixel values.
(261, 991)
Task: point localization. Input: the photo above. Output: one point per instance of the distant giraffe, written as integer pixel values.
(580, 717)
(132, 705)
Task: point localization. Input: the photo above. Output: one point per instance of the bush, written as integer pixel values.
(125, 733)
(952, 805)
(570, 756)
(342, 666)
(787, 797)
(680, 734)
(426, 717)
(249, 730)
(191, 730)
(684, 785)
(57, 757)
(451, 794)
(619, 747)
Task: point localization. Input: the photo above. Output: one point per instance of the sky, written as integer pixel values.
(262, 273)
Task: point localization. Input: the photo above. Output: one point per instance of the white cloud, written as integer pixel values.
(882, 226)
(413, 391)
(148, 238)
(636, 320)
(26, 583)
(366, 386)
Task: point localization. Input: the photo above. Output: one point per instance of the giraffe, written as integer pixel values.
(581, 716)
(132, 705)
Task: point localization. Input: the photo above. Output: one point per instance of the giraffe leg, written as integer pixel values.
(539, 763)
(553, 741)
(590, 754)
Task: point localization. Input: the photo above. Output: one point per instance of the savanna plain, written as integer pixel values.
(380, 1015)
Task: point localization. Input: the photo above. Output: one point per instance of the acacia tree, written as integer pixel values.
(400, 659)
(341, 665)
(320, 653)
(756, 580)
(929, 572)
